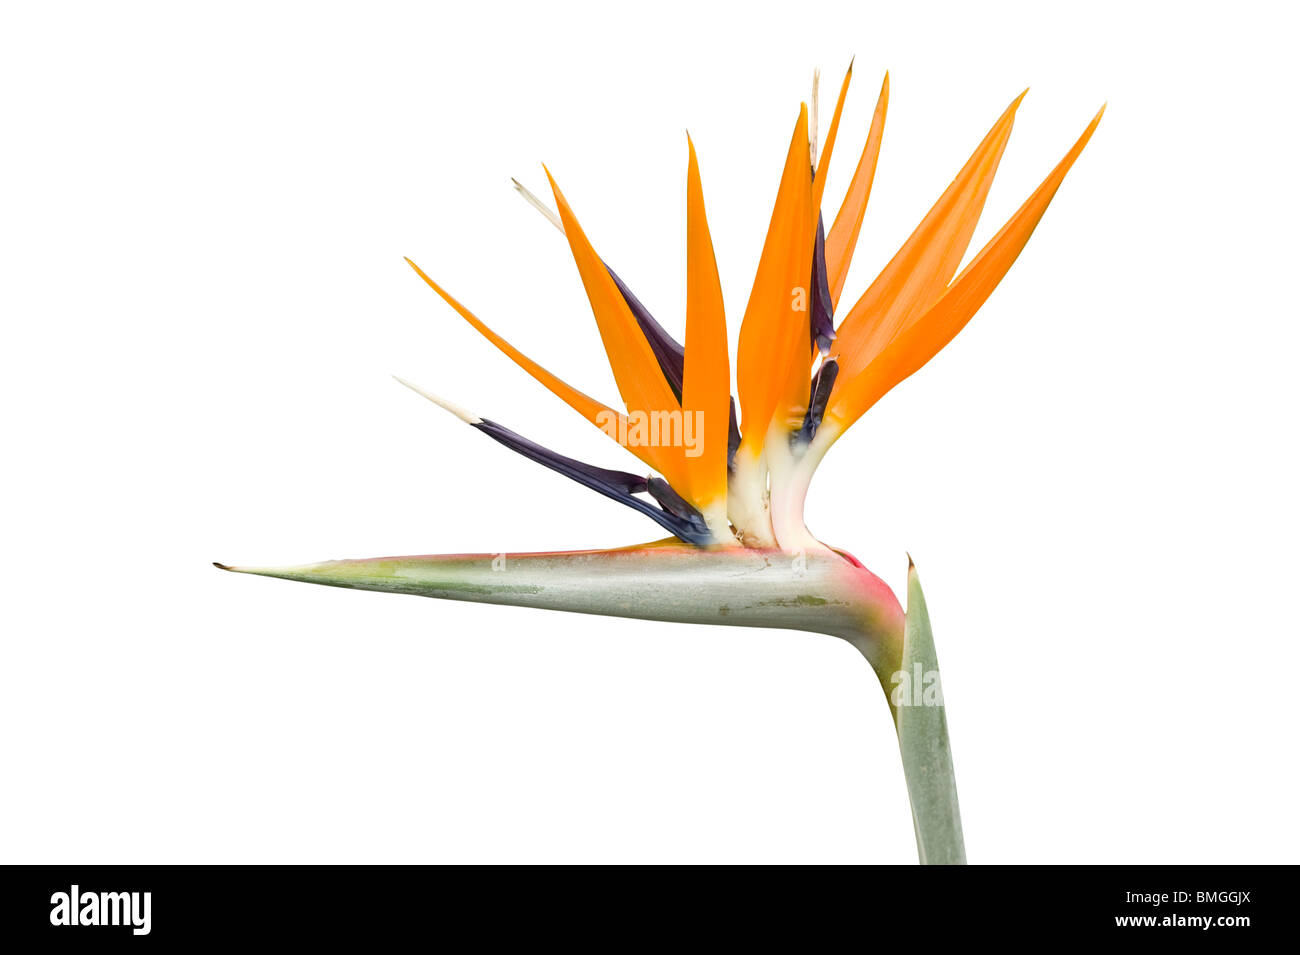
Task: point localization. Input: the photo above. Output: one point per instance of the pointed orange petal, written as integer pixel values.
(773, 349)
(921, 270)
(706, 390)
(923, 339)
(602, 416)
(843, 236)
(824, 161)
(636, 372)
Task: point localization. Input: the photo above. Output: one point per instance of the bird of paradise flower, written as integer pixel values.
(730, 486)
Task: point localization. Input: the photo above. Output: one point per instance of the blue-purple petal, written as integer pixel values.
(819, 393)
(680, 519)
(671, 354)
(821, 312)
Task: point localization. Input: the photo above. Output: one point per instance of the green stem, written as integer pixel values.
(922, 723)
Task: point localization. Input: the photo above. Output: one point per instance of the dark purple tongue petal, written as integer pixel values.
(819, 393)
(821, 313)
(672, 502)
(601, 479)
(670, 354)
(681, 520)
(678, 506)
(733, 437)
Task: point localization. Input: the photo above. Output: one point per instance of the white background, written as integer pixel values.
(205, 210)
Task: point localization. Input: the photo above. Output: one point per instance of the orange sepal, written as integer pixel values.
(772, 354)
(923, 339)
(843, 234)
(636, 372)
(824, 160)
(706, 388)
(920, 271)
(594, 411)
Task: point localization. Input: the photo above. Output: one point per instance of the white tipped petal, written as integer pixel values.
(455, 409)
(540, 206)
(812, 120)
